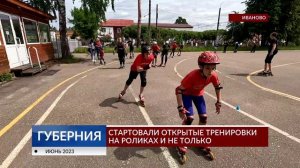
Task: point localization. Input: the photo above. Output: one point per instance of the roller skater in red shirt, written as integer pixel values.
(192, 90)
(155, 50)
(140, 66)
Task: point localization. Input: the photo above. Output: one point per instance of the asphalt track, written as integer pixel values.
(84, 93)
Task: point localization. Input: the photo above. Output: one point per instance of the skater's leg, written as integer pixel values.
(132, 76)
(143, 85)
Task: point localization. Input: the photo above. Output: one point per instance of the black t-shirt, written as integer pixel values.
(120, 48)
(271, 43)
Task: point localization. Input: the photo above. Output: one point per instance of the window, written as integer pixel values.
(31, 31)
(7, 29)
(17, 27)
(44, 33)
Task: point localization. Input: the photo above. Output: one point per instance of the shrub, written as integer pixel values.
(5, 77)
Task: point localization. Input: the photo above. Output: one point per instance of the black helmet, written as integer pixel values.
(145, 49)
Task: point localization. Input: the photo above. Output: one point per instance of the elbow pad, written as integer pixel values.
(219, 87)
(178, 91)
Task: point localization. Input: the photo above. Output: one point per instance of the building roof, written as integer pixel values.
(169, 25)
(21, 5)
(127, 22)
(117, 23)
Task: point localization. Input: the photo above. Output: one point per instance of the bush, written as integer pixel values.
(5, 77)
(81, 50)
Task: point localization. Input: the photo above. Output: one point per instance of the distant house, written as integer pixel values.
(23, 27)
(179, 27)
(114, 27)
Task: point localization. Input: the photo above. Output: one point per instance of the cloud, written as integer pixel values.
(202, 14)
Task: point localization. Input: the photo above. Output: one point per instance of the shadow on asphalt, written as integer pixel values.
(240, 74)
(111, 68)
(245, 74)
(124, 153)
(109, 102)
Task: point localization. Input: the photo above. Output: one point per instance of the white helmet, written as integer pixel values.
(154, 42)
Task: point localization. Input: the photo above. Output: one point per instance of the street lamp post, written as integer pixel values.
(218, 24)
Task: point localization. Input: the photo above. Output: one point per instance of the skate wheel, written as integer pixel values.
(211, 156)
(142, 103)
(183, 159)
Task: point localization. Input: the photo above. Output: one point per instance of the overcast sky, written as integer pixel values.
(201, 14)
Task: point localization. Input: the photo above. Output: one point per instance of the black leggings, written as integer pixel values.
(164, 56)
(121, 58)
(270, 57)
(134, 74)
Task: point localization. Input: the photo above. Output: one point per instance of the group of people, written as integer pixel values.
(192, 86)
(164, 52)
(190, 90)
(96, 50)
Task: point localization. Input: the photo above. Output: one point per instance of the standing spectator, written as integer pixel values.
(120, 48)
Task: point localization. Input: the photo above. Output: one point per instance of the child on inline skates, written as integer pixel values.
(192, 90)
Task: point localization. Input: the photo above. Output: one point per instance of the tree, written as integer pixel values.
(180, 20)
(139, 24)
(284, 18)
(50, 6)
(85, 23)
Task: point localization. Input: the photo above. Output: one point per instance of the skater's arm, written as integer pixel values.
(178, 91)
(218, 87)
(273, 48)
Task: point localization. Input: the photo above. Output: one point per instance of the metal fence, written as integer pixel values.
(73, 44)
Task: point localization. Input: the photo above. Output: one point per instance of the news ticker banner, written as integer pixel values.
(94, 139)
(248, 17)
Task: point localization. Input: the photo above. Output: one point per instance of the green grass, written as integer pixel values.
(5, 77)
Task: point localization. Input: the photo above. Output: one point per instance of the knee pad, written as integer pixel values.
(203, 120)
(143, 83)
(188, 121)
(129, 81)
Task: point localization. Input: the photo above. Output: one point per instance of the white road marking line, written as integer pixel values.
(172, 163)
(270, 90)
(245, 113)
(229, 77)
(13, 154)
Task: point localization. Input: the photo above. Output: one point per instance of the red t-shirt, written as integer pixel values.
(140, 60)
(155, 47)
(174, 46)
(194, 83)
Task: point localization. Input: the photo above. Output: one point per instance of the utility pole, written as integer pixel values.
(156, 21)
(217, 40)
(149, 22)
